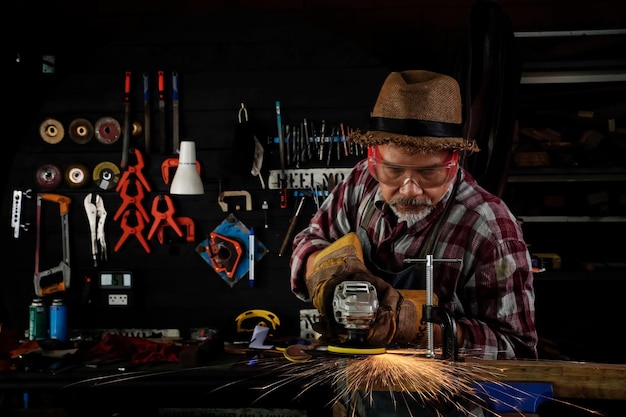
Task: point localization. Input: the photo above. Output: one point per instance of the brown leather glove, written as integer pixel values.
(399, 314)
(340, 261)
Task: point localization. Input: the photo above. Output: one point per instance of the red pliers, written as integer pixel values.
(136, 170)
(132, 230)
(163, 217)
(135, 199)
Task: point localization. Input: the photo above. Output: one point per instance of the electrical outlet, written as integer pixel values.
(118, 299)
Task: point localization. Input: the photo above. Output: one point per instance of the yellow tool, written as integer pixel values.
(248, 320)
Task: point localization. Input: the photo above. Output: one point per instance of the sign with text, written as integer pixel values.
(307, 179)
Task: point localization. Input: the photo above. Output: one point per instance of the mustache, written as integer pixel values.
(415, 202)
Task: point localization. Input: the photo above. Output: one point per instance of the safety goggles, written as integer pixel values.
(397, 175)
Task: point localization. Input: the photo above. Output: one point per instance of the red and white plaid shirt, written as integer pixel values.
(490, 293)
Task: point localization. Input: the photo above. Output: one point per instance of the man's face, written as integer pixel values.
(412, 184)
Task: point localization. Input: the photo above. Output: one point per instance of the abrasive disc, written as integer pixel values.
(106, 175)
(107, 130)
(48, 176)
(51, 131)
(80, 131)
(77, 175)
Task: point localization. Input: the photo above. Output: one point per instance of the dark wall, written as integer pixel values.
(322, 60)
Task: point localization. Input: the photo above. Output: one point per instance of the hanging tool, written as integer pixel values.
(134, 230)
(322, 140)
(146, 111)
(163, 216)
(175, 115)
(136, 170)
(107, 130)
(170, 163)
(292, 226)
(186, 222)
(241, 193)
(281, 147)
(16, 212)
(80, 131)
(127, 126)
(161, 132)
(96, 215)
(51, 131)
(132, 199)
(64, 265)
(225, 253)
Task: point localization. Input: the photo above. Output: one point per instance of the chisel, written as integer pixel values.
(146, 110)
(127, 127)
(161, 87)
(175, 127)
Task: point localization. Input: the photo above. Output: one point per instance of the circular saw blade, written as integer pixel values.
(107, 130)
(106, 175)
(51, 131)
(80, 131)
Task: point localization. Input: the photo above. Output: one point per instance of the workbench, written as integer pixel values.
(235, 381)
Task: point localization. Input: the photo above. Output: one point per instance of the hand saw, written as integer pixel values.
(64, 265)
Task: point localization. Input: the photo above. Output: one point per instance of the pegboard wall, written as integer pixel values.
(233, 59)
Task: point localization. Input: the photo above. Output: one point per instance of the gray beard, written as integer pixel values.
(412, 217)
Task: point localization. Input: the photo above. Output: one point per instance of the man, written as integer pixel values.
(411, 198)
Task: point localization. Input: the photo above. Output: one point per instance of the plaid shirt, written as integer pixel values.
(490, 293)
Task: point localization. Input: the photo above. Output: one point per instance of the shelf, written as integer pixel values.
(577, 174)
(572, 77)
(572, 219)
(613, 275)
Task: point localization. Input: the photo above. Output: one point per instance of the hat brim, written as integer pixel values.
(422, 143)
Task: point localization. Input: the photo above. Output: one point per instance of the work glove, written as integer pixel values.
(399, 312)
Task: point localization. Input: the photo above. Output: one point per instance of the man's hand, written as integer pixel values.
(399, 314)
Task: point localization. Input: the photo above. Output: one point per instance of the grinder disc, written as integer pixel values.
(77, 175)
(107, 130)
(80, 131)
(48, 176)
(106, 175)
(51, 131)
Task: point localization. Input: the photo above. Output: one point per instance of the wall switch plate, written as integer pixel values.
(117, 299)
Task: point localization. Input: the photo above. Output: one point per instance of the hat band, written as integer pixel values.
(415, 127)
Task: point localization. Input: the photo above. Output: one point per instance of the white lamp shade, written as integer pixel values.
(187, 179)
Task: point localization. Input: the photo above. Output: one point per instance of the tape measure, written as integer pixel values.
(107, 130)
(106, 175)
(51, 131)
(77, 175)
(80, 131)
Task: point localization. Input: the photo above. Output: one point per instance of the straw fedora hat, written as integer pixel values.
(418, 109)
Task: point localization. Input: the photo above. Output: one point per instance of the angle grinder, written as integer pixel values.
(355, 304)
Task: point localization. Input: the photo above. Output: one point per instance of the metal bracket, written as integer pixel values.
(241, 193)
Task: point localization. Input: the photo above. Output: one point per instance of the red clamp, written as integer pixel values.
(136, 199)
(132, 230)
(189, 225)
(161, 217)
(172, 163)
(136, 170)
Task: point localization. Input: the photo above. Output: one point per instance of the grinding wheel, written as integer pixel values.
(80, 131)
(137, 129)
(48, 176)
(107, 130)
(106, 175)
(77, 175)
(51, 131)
